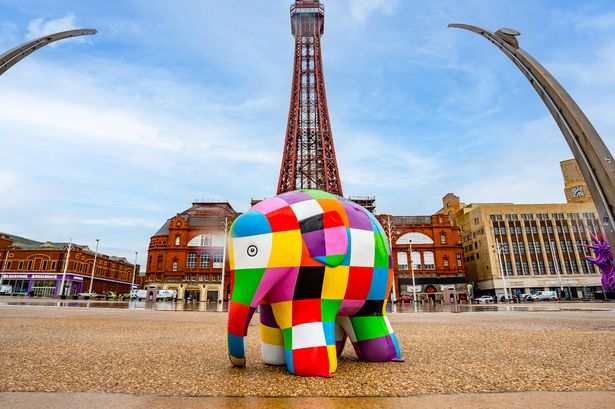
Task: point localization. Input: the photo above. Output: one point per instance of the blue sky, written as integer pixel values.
(108, 136)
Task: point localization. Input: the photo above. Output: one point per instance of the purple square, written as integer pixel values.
(295, 197)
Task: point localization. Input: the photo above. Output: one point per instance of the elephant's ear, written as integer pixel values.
(325, 237)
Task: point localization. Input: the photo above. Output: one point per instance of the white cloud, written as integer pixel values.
(123, 222)
(362, 9)
(604, 21)
(40, 27)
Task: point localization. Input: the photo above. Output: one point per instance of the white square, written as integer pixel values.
(389, 327)
(361, 248)
(309, 335)
(305, 209)
(244, 259)
(273, 354)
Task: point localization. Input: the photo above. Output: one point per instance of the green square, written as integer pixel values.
(329, 309)
(319, 194)
(369, 327)
(287, 333)
(336, 260)
(246, 284)
(381, 249)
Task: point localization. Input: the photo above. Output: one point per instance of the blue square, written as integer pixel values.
(380, 280)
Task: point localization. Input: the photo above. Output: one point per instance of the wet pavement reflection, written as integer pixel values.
(404, 308)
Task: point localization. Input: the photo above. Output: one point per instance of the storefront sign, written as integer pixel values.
(15, 276)
(418, 288)
(44, 276)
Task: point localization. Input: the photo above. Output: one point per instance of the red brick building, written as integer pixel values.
(187, 253)
(35, 268)
(433, 245)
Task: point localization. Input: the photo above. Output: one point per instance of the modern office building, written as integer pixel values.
(524, 247)
(37, 269)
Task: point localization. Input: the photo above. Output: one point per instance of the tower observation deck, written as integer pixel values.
(308, 160)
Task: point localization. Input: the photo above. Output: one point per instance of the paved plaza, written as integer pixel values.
(563, 348)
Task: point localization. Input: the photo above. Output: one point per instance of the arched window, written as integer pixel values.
(174, 265)
(402, 260)
(202, 240)
(177, 240)
(417, 238)
(429, 260)
(442, 238)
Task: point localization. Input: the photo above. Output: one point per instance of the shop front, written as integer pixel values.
(435, 289)
(42, 285)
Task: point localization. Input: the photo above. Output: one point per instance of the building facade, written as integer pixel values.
(525, 247)
(430, 247)
(37, 269)
(187, 253)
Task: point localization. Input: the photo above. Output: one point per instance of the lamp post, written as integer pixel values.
(12, 57)
(221, 291)
(70, 244)
(499, 247)
(134, 272)
(93, 268)
(555, 256)
(389, 227)
(412, 271)
(595, 161)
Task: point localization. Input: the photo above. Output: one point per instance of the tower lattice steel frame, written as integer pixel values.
(308, 160)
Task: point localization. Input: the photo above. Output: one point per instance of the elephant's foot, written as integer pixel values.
(373, 338)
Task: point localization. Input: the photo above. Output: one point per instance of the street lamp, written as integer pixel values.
(70, 244)
(134, 272)
(93, 269)
(12, 57)
(412, 271)
(500, 247)
(221, 290)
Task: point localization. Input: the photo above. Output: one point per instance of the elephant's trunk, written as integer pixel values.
(238, 320)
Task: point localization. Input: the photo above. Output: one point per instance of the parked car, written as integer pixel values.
(90, 295)
(403, 299)
(6, 289)
(138, 294)
(544, 296)
(484, 299)
(110, 295)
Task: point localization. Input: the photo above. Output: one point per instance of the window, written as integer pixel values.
(518, 266)
(543, 229)
(527, 230)
(541, 267)
(575, 267)
(417, 238)
(551, 267)
(522, 248)
(442, 238)
(191, 260)
(175, 266)
(202, 240)
(562, 245)
(525, 268)
(416, 260)
(515, 247)
(519, 231)
(44, 268)
(440, 220)
(402, 260)
(218, 260)
(458, 260)
(567, 265)
(445, 262)
(29, 267)
(205, 260)
(503, 230)
(534, 229)
(508, 269)
(496, 230)
(177, 240)
(550, 229)
(429, 260)
(530, 246)
(565, 228)
(537, 247)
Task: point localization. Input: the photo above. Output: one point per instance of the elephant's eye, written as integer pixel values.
(252, 251)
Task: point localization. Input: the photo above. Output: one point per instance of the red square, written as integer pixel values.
(332, 219)
(305, 311)
(311, 361)
(241, 315)
(359, 283)
(283, 219)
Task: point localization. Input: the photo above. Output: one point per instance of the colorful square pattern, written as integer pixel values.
(319, 268)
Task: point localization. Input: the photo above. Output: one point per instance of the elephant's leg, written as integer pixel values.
(372, 335)
(309, 343)
(272, 340)
(340, 337)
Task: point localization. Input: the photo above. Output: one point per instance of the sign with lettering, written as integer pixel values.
(44, 276)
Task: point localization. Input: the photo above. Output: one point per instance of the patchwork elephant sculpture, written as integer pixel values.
(319, 267)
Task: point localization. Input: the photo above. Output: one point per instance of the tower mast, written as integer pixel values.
(308, 160)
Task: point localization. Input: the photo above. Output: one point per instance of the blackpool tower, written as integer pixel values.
(308, 161)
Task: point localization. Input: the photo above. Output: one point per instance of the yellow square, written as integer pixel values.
(286, 249)
(332, 350)
(271, 336)
(336, 280)
(231, 259)
(283, 313)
